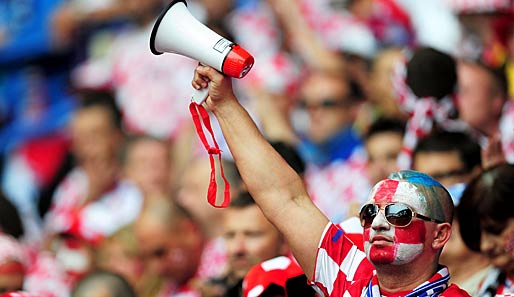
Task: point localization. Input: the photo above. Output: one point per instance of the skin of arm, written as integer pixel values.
(277, 189)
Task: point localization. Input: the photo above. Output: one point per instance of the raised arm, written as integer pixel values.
(276, 188)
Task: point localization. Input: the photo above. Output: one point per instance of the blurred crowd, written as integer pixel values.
(104, 181)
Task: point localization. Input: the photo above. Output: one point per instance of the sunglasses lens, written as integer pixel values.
(367, 214)
(398, 214)
(328, 103)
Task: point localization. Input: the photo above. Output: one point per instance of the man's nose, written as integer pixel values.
(239, 243)
(380, 222)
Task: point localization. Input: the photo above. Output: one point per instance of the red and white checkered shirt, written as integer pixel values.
(343, 270)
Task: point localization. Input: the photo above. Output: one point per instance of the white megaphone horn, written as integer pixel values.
(177, 31)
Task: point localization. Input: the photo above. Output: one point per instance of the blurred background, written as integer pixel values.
(95, 132)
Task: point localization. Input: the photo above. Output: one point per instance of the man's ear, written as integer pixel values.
(442, 234)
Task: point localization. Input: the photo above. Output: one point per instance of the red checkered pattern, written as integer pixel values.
(334, 187)
(97, 219)
(343, 270)
(507, 288)
(353, 230)
(11, 250)
(19, 294)
(214, 259)
(258, 31)
(45, 277)
(274, 271)
(277, 73)
(153, 92)
(474, 6)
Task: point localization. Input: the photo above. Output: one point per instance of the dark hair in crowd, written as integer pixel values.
(243, 200)
(431, 73)
(116, 285)
(290, 155)
(382, 125)
(10, 220)
(444, 141)
(104, 99)
(486, 204)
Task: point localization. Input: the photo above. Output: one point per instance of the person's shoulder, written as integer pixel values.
(454, 290)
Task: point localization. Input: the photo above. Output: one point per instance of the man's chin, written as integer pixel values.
(239, 272)
(381, 255)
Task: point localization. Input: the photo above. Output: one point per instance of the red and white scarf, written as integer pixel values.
(423, 112)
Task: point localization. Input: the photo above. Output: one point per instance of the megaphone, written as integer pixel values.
(177, 31)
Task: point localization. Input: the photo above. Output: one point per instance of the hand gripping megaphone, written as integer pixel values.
(177, 31)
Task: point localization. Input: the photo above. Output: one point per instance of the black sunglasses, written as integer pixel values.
(449, 174)
(396, 214)
(324, 104)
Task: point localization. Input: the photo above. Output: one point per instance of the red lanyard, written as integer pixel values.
(200, 115)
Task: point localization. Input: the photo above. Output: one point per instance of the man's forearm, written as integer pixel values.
(263, 170)
(275, 186)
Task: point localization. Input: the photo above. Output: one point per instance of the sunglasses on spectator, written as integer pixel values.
(396, 214)
(450, 173)
(324, 104)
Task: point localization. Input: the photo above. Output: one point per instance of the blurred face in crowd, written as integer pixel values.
(325, 99)
(148, 164)
(192, 192)
(250, 239)
(172, 252)
(381, 89)
(383, 149)
(93, 135)
(448, 169)
(497, 242)
(445, 167)
(478, 104)
(120, 255)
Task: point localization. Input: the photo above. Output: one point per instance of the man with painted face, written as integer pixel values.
(406, 221)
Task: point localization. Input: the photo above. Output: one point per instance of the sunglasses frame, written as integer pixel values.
(326, 103)
(413, 215)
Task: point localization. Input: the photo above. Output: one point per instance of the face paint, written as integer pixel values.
(390, 190)
(406, 245)
(385, 191)
(386, 244)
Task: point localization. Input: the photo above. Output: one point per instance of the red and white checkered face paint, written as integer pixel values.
(385, 243)
(389, 190)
